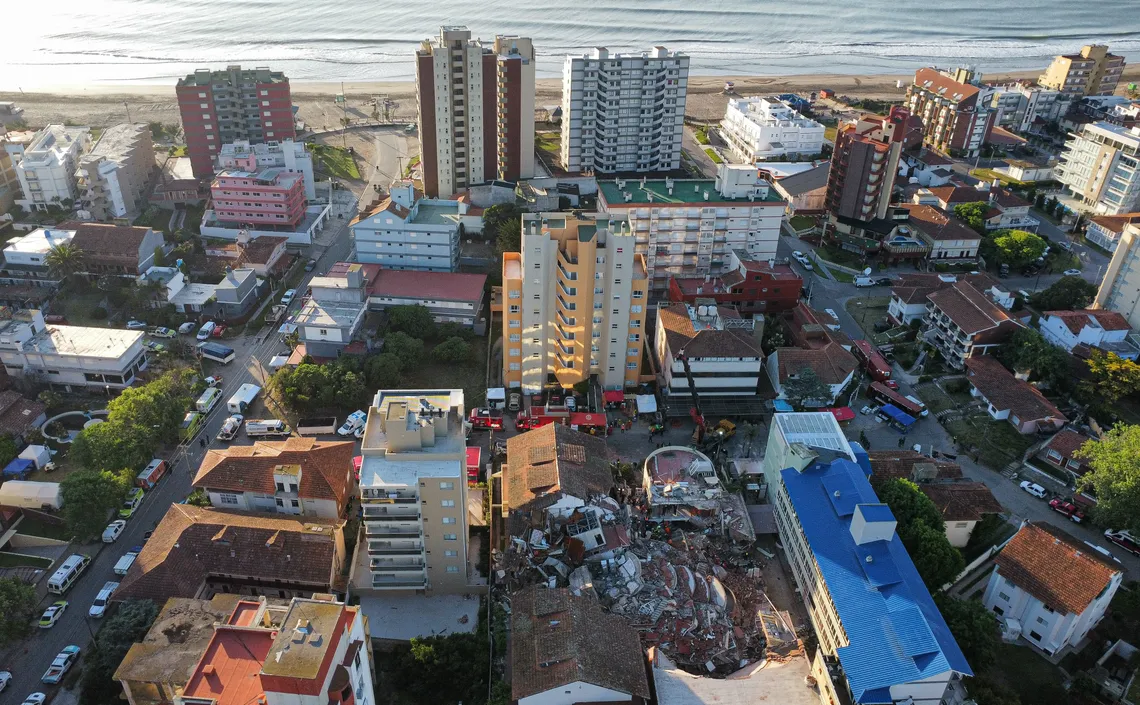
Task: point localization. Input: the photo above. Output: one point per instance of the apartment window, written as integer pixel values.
(449, 520)
(201, 95)
(515, 352)
(538, 297)
(1041, 620)
(635, 309)
(617, 282)
(268, 123)
(514, 308)
(514, 367)
(631, 352)
(611, 369)
(631, 365)
(447, 503)
(514, 337)
(447, 485)
(280, 502)
(205, 117)
(452, 569)
(450, 553)
(205, 106)
(449, 537)
(265, 92)
(265, 103)
(538, 265)
(1035, 636)
(613, 356)
(960, 525)
(228, 498)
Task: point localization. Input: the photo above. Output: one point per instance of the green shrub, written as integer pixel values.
(99, 313)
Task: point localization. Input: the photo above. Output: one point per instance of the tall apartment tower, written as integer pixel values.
(625, 112)
(1120, 289)
(113, 176)
(576, 295)
(514, 57)
(413, 493)
(863, 168)
(954, 117)
(1093, 71)
(219, 107)
(1101, 166)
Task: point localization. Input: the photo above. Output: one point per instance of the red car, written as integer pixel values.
(1068, 509)
(891, 384)
(219, 330)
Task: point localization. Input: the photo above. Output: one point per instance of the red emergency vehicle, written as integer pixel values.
(474, 458)
(871, 359)
(486, 419)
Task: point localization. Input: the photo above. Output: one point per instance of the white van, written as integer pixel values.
(862, 282)
(125, 563)
(206, 331)
(208, 400)
(67, 573)
(99, 606)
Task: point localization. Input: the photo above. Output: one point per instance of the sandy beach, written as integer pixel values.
(99, 105)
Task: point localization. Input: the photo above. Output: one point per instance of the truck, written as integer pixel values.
(1123, 539)
(261, 428)
(191, 424)
(242, 398)
(275, 313)
(316, 425)
(149, 476)
(885, 395)
(230, 428)
(124, 564)
(208, 400)
(536, 418)
(216, 352)
(872, 360)
(486, 419)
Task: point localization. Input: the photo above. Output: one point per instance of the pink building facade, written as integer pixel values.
(268, 197)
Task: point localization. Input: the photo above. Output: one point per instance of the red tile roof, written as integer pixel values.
(551, 462)
(936, 225)
(1067, 442)
(952, 195)
(680, 334)
(1115, 223)
(101, 240)
(1076, 321)
(1004, 391)
(17, 413)
(326, 468)
(896, 464)
(969, 308)
(962, 501)
(229, 672)
(434, 286)
(1054, 567)
(943, 86)
(1008, 199)
(831, 363)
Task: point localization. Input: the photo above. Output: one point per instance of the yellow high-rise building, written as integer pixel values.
(1091, 72)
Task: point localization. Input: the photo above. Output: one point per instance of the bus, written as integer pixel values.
(884, 395)
(215, 352)
(67, 573)
(191, 424)
(873, 362)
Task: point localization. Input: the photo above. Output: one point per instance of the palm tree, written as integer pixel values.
(64, 260)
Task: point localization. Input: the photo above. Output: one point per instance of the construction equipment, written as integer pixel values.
(695, 410)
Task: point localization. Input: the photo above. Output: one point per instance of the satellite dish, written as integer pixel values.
(867, 271)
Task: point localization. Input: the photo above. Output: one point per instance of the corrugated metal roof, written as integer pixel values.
(896, 634)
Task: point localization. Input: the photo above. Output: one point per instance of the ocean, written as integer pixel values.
(77, 42)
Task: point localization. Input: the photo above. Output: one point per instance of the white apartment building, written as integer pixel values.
(574, 303)
(113, 177)
(1049, 587)
(406, 232)
(413, 493)
(625, 112)
(688, 227)
(1099, 167)
(722, 352)
(1120, 289)
(761, 129)
(69, 356)
(286, 154)
(1018, 105)
(25, 257)
(47, 168)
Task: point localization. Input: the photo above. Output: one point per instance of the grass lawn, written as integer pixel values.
(335, 161)
(801, 222)
(551, 144)
(78, 306)
(935, 399)
(35, 527)
(702, 135)
(867, 310)
(713, 155)
(156, 219)
(842, 277)
(412, 164)
(829, 133)
(471, 377)
(11, 560)
(1033, 678)
(997, 444)
(833, 254)
(990, 175)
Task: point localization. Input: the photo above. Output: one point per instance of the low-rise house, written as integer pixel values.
(908, 295)
(168, 287)
(1106, 330)
(963, 322)
(408, 231)
(116, 249)
(200, 552)
(236, 293)
(928, 168)
(749, 285)
(833, 365)
(947, 237)
(451, 297)
(1010, 399)
(720, 349)
(1008, 211)
(330, 320)
(1061, 450)
(566, 650)
(69, 357)
(1050, 588)
(19, 415)
(758, 129)
(1026, 171)
(265, 255)
(806, 191)
(1105, 230)
(25, 258)
(300, 476)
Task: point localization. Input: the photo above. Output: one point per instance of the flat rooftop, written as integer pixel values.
(814, 430)
(39, 241)
(765, 681)
(310, 629)
(329, 314)
(685, 191)
(428, 213)
(80, 341)
(118, 141)
(446, 458)
(195, 294)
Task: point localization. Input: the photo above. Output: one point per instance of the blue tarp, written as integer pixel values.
(897, 415)
(781, 406)
(19, 468)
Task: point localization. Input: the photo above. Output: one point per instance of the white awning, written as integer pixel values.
(278, 361)
(497, 394)
(287, 328)
(646, 403)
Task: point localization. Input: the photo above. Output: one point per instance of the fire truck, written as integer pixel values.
(486, 419)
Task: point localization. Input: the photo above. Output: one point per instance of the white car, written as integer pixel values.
(354, 420)
(35, 699)
(206, 331)
(53, 614)
(136, 325)
(111, 533)
(802, 259)
(288, 296)
(61, 665)
(1033, 488)
(1072, 272)
(186, 328)
(5, 679)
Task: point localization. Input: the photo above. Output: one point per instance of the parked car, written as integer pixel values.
(161, 332)
(354, 420)
(1072, 272)
(206, 330)
(187, 327)
(213, 381)
(1033, 488)
(131, 503)
(1068, 509)
(802, 259)
(884, 281)
(111, 533)
(862, 282)
(514, 401)
(136, 325)
(310, 265)
(154, 346)
(288, 296)
(1065, 245)
(35, 699)
(891, 384)
(52, 614)
(61, 665)
(571, 402)
(5, 679)
(1003, 271)
(1123, 539)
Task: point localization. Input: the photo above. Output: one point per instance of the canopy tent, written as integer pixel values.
(19, 468)
(613, 396)
(897, 415)
(646, 404)
(842, 413)
(278, 361)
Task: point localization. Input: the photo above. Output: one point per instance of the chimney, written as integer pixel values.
(872, 522)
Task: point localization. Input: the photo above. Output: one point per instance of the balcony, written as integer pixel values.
(380, 582)
(408, 512)
(381, 530)
(395, 548)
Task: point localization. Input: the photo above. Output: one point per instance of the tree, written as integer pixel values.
(973, 627)
(437, 669)
(383, 371)
(416, 321)
(64, 260)
(773, 335)
(1028, 350)
(987, 692)
(1110, 377)
(1018, 248)
(89, 496)
(1066, 294)
(130, 623)
(502, 224)
(1115, 476)
(908, 503)
(806, 386)
(973, 214)
(8, 449)
(159, 257)
(922, 531)
(113, 445)
(408, 350)
(453, 350)
(17, 607)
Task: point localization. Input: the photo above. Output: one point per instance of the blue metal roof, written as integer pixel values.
(896, 633)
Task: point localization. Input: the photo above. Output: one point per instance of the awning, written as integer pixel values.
(474, 455)
(646, 403)
(897, 415)
(614, 396)
(278, 361)
(496, 394)
(842, 413)
(287, 328)
(580, 419)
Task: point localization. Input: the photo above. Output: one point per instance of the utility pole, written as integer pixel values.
(128, 107)
(344, 123)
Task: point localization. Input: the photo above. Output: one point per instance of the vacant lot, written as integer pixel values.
(867, 311)
(994, 444)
